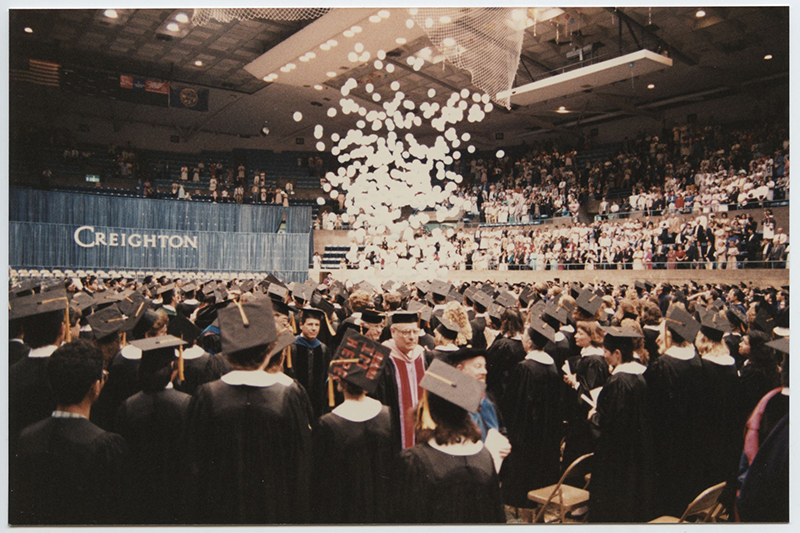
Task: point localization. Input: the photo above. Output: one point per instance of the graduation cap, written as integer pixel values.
(639, 285)
(37, 304)
(537, 310)
(464, 354)
(454, 386)
(540, 328)
(440, 288)
(405, 317)
(246, 325)
(372, 316)
(359, 361)
(83, 301)
(682, 324)
(311, 312)
(618, 338)
(735, 315)
(714, 326)
(23, 287)
(165, 288)
(453, 295)
(107, 322)
(105, 298)
(134, 306)
(271, 278)
(764, 321)
(469, 294)
(366, 286)
(718, 304)
(559, 314)
(247, 286)
(157, 352)
(487, 289)
(188, 287)
(782, 345)
(649, 286)
(506, 299)
(525, 296)
(280, 307)
(422, 286)
(387, 285)
(448, 329)
(495, 311)
(482, 299)
(277, 292)
(404, 291)
(302, 293)
(182, 327)
(286, 338)
(425, 312)
(575, 289)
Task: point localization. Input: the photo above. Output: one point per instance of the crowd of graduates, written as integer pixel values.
(247, 401)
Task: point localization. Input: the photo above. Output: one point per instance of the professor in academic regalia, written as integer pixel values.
(310, 359)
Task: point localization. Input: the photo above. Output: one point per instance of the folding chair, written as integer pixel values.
(566, 497)
(705, 507)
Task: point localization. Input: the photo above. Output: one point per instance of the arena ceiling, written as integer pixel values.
(715, 55)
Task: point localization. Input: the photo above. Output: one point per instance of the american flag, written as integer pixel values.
(39, 72)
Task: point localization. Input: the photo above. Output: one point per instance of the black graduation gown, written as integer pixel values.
(435, 487)
(757, 380)
(123, 382)
(650, 344)
(249, 451)
(531, 411)
(478, 325)
(674, 387)
(201, 370)
(17, 351)
(502, 358)
(591, 372)
(29, 395)
(310, 369)
(352, 469)
(69, 471)
(622, 478)
(152, 424)
(723, 421)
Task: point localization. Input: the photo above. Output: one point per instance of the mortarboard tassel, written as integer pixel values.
(331, 400)
(68, 333)
(181, 377)
(287, 353)
(330, 327)
(426, 421)
(245, 321)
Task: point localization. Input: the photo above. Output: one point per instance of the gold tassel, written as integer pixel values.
(331, 400)
(68, 334)
(124, 338)
(330, 327)
(426, 421)
(294, 325)
(245, 322)
(181, 377)
(287, 353)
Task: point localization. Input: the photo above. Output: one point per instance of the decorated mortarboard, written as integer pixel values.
(682, 324)
(464, 354)
(425, 312)
(37, 304)
(525, 296)
(387, 285)
(372, 316)
(359, 361)
(246, 325)
(448, 329)
(782, 345)
(107, 322)
(183, 328)
(454, 386)
(714, 326)
(764, 321)
(482, 299)
(506, 299)
(540, 328)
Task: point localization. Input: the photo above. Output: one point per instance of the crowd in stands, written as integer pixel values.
(713, 241)
(150, 400)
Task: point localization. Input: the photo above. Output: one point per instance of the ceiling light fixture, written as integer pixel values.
(700, 13)
(111, 13)
(384, 14)
(651, 86)
(318, 87)
(562, 110)
(173, 26)
(768, 57)
(331, 74)
(28, 29)
(198, 63)
(183, 18)
(400, 40)
(375, 18)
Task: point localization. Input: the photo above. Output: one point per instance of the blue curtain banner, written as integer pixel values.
(43, 245)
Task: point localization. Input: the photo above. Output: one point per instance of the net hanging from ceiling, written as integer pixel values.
(484, 41)
(203, 15)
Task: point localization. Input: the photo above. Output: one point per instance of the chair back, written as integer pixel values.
(705, 503)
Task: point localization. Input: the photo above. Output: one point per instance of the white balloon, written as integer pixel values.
(321, 200)
(500, 154)
(318, 131)
(378, 64)
(297, 116)
(395, 85)
(389, 68)
(369, 87)
(334, 194)
(321, 146)
(332, 112)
